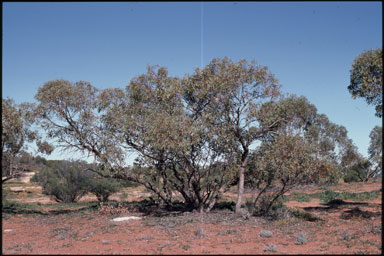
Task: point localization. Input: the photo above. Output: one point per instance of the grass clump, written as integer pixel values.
(270, 248)
(266, 233)
(301, 238)
(302, 214)
(16, 207)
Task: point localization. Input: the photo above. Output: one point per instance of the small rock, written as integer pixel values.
(126, 218)
(105, 241)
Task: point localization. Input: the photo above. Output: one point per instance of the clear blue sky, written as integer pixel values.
(309, 46)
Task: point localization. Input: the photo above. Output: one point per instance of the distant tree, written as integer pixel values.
(16, 133)
(371, 167)
(375, 150)
(330, 142)
(367, 78)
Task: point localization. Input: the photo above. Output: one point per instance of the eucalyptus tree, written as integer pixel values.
(279, 165)
(372, 166)
(305, 147)
(375, 150)
(16, 133)
(332, 147)
(177, 151)
(367, 78)
(231, 95)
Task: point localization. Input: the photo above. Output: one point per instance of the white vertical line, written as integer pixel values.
(201, 34)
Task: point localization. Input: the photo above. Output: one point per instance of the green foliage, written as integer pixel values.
(367, 78)
(328, 195)
(65, 181)
(351, 176)
(282, 163)
(299, 197)
(103, 187)
(16, 207)
(301, 133)
(16, 133)
(376, 142)
(128, 184)
(267, 206)
(193, 136)
(302, 214)
(359, 168)
(68, 181)
(229, 205)
(375, 151)
(229, 95)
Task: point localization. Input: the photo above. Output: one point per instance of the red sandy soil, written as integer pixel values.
(218, 232)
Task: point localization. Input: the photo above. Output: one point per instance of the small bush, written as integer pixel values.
(302, 214)
(229, 205)
(329, 195)
(270, 248)
(351, 176)
(276, 211)
(266, 233)
(301, 238)
(68, 181)
(103, 188)
(64, 181)
(346, 235)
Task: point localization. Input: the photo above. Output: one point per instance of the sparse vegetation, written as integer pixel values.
(329, 195)
(301, 238)
(266, 233)
(194, 144)
(302, 214)
(270, 248)
(67, 181)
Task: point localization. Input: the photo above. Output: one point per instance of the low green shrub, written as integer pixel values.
(264, 207)
(302, 214)
(301, 238)
(351, 176)
(225, 205)
(103, 188)
(16, 207)
(64, 181)
(68, 181)
(328, 196)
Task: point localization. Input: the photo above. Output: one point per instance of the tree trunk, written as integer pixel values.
(240, 186)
